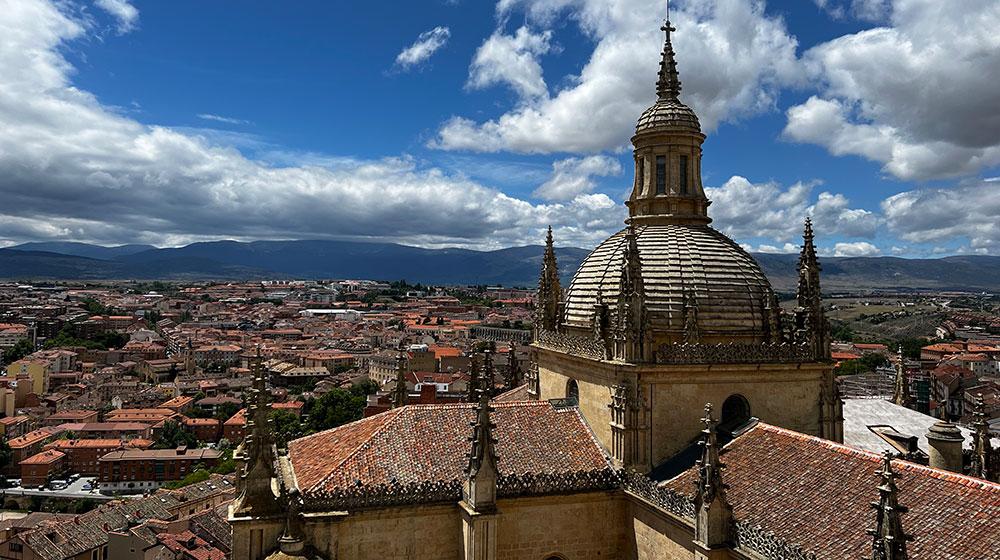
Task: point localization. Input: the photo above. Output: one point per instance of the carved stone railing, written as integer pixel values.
(500, 334)
(733, 353)
(664, 498)
(384, 495)
(572, 344)
(389, 495)
(560, 483)
(765, 543)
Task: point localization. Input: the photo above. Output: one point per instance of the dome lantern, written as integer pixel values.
(667, 142)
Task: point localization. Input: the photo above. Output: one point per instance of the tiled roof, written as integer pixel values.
(816, 493)
(519, 393)
(427, 443)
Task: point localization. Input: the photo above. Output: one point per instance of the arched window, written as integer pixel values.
(572, 391)
(661, 174)
(735, 411)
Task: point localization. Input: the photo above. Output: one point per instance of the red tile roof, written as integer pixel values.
(816, 493)
(425, 443)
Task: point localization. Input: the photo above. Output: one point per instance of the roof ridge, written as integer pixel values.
(395, 413)
(903, 464)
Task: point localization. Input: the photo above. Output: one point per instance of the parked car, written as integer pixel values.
(88, 486)
(58, 484)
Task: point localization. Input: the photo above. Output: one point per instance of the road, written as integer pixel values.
(73, 491)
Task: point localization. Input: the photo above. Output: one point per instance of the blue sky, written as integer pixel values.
(477, 123)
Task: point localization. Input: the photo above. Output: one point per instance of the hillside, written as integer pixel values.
(515, 266)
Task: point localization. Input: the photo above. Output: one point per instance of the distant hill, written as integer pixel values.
(515, 266)
(82, 249)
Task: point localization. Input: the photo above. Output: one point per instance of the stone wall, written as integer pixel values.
(780, 395)
(658, 535)
(587, 526)
(578, 527)
(785, 395)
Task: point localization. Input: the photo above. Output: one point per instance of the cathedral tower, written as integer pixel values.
(669, 313)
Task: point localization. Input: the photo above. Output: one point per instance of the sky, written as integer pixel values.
(479, 123)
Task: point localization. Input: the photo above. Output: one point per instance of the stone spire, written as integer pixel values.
(713, 514)
(474, 380)
(631, 335)
(691, 335)
(480, 488)
(811, 323)
(901, 391)
(400, 393)
(549, 292)
(983, 459)
(486, 382)
(668, 84)
(512, 375)
(257, 453)
(888, 538)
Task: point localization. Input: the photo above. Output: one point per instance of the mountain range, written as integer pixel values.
(515, 266)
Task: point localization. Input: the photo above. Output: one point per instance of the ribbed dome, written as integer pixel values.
(668, 115)
(678, 261)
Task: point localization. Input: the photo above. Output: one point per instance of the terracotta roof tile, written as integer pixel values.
(424, 443)
(816, 493)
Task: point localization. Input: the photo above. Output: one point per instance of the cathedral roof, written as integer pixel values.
(816, 493)
(680, 264)
(418, 444)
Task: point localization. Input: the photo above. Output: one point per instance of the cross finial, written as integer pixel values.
(668, 86)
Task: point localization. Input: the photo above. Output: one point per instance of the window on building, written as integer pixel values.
(735, 412)
(572, 390)
(661, 174)
(684, 174)
(641, 173)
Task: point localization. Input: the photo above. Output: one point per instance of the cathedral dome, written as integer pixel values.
(692, 275)
(668, 115)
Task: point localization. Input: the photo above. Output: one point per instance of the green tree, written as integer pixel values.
(93, 306)
(20, 349)
(5, 454)
(336, 408)
(174, 435)
(287, 426)
(365, 388)
(225, 411)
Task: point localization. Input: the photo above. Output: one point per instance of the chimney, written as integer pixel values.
(945, 442)
(181, 449)
(428, 393)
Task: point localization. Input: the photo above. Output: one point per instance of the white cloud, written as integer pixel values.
(73, 169)
(732, 57)
(126, 14)
(221, 119)
(918, 96)
(743, 210)
(865, 10)
(512, 60)
(575, 176)
(427, 43)
(856, 249)
(785, 249)
(937, 216)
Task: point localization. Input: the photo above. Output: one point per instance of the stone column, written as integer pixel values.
(945, 443)
(479, 534)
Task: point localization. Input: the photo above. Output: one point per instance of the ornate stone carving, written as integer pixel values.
(531, 376)
(766, 544)
(646, 488)
(572, 344)
(888, 539)
(733, 353)
(548, 313)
